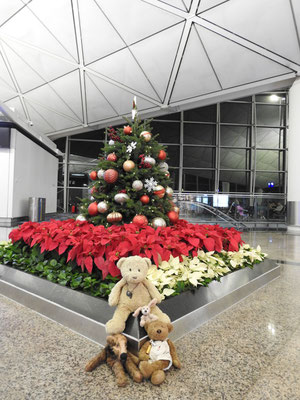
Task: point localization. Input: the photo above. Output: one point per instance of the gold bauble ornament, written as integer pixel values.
(146, 136)
(114, 217)
(128, 165)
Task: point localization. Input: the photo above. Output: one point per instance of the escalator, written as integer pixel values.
(204, 214)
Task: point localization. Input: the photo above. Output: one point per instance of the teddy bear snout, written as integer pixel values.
(158, 331)
(123, 357)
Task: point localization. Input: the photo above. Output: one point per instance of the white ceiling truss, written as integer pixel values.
(69, 66)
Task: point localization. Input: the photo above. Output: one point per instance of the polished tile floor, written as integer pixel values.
(251, 351)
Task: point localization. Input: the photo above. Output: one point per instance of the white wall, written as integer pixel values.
(34, 175)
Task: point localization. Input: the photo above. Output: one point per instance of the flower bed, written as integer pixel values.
(186, 255)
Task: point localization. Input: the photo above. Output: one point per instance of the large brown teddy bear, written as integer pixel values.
(116, 355)
(157, 354)
(131, 292)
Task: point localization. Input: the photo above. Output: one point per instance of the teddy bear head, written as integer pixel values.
(158, 330)
(134, 269)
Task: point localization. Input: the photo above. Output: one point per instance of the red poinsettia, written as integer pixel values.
(102, 247)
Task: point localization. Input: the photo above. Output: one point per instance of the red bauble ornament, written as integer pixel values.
(112, 157)
(114, 217)
(159, 191)
(162, 155)
(93, 175)
(111, 176)
(93, 209)
(127, 130)
(145, 199)
(173, 216)
(140, 220)
(94, 190)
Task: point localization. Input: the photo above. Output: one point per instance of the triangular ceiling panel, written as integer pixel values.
(207, 4)
(40, 124)
(59, 122)
(17, 108)
(98, 107)
(135, 19)
(224, 54)
(9, 8)
(195, 76)
(296, 10)
(158, 67)
(26, 27)
(47, 97)
(123, 68)
(26, 77)
(57, 17)
(45, 65)
(273, 16)
(68, 88)
(7, 88)
(98, 35)
(175, 3)
(187, 4)
(120, 98)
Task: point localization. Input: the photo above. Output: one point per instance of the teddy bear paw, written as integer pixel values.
(158, 377)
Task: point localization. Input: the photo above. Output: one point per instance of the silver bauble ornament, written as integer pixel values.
(158, 222)
(92, 198)
(149, 160)
(121, 198)
(163, 166)
(102, 207)
(100, 173)
(137, 185)
(169, 191)
(111, 142)
(80, 218)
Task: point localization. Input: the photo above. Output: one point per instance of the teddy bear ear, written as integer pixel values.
(170, 327)
(148, 262)
(120, 262)
(111, 340)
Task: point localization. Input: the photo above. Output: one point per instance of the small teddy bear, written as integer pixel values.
(131, 292)
(157, 354)
(146, 311)
(116, 355)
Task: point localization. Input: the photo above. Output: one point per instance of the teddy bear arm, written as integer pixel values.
(174, 355)
(154, 293)
(133, 357)
(143, 356)
(114, 296)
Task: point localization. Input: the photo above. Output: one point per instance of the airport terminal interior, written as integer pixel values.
(218, 83)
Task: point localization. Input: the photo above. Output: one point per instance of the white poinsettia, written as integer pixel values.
(193, 271)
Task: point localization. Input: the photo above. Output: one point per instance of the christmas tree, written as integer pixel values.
(132, 182)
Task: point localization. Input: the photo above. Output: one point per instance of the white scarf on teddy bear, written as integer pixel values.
(160, 350)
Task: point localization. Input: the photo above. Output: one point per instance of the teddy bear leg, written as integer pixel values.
(158, 377)
(94, 362)
(119, 373)
(133, 370)
(160, 315)
(118, 321)
(148, 368)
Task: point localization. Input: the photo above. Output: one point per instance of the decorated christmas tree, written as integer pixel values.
(132, 182)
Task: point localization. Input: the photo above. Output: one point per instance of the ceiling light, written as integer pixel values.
(274, 97)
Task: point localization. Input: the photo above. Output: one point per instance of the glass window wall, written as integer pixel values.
(237, 147)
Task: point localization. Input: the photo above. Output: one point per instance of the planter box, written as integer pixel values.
(87, 315)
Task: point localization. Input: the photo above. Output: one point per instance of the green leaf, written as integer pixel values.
(53, 263)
